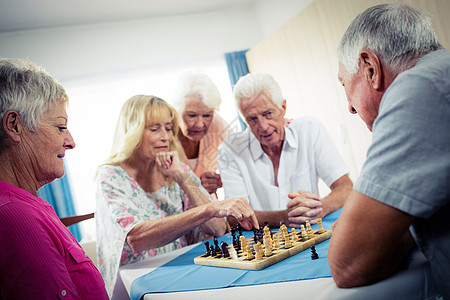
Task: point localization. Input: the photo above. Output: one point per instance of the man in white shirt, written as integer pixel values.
(277, 167)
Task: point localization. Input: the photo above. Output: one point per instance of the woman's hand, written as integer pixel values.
(238, 208)
(211, 181)
(169, 163)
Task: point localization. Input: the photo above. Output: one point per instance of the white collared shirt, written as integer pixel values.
(308, 153)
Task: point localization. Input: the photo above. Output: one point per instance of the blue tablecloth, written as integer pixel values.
(181, 274)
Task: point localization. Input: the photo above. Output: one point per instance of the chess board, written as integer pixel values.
(277, 254)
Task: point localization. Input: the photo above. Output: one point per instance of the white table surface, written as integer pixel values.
(413, 283)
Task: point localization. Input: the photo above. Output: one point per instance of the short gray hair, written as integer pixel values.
(397, 33)
(195, 83)
(27, 89)
(253, 84)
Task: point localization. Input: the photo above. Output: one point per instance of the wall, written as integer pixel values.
(102, 65)
(301, 55)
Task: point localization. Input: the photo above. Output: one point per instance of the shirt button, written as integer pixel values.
(63, 293)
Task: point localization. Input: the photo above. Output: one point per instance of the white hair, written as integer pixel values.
(397, 33)
(252, 85)
(27, 89)
(195, 83)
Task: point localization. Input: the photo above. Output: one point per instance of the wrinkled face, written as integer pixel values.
(47, 146)
(156, 138)
(265, 119)
(197, 118)
(360, 96)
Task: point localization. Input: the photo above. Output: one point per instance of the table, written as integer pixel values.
(412, 283)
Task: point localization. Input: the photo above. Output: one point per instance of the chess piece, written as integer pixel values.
(239, 228)
(249, 253)
(258, 255)
(236, 243)
(287, 242)
(282, 230)
(232, 251)
(243, 242)
(314, 254)
(261, 249)
(216, 244)
(224, 249)
(304, 234)
(208, 251)
(294, 235)
(276, 242)
(321, 229)
(267, 246)
(309, 230)
(213, 251)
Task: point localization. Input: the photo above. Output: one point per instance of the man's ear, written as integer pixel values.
(283, 107)
(371, 67)
(12, 125)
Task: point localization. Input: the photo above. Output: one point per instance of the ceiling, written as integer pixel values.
(31, 14)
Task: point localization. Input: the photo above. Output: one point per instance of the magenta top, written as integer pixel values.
(39, 257)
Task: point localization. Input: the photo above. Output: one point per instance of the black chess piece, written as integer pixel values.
(216, 244)
(239, 229)
(314, 254)
(208, 250)
(236, 243)
(213, 251)
(224, 249)
(255, 235)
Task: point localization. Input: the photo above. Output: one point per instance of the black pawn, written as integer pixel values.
(213, 251)
(314, 254)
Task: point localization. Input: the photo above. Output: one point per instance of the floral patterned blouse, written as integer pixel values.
(121, 205)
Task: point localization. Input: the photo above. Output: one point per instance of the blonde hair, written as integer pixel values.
(138, 112)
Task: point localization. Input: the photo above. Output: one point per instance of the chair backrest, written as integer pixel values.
(91, 250)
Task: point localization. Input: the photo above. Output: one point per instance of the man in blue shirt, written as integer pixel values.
(396, 76)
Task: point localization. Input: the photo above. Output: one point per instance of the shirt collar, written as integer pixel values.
(290, 140)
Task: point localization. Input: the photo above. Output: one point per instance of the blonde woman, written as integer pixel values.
(148, 202)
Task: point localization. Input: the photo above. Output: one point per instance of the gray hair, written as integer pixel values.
(27, 89)
(252, 85)
(193, 83)
(397, 33)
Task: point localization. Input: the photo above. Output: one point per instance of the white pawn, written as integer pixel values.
(232, 251)
(304, 234)
(321, 229)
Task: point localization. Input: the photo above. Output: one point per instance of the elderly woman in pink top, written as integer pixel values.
(39, 258)
(196, 98)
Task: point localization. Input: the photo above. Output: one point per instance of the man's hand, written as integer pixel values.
(211, 181)
(304, 206)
